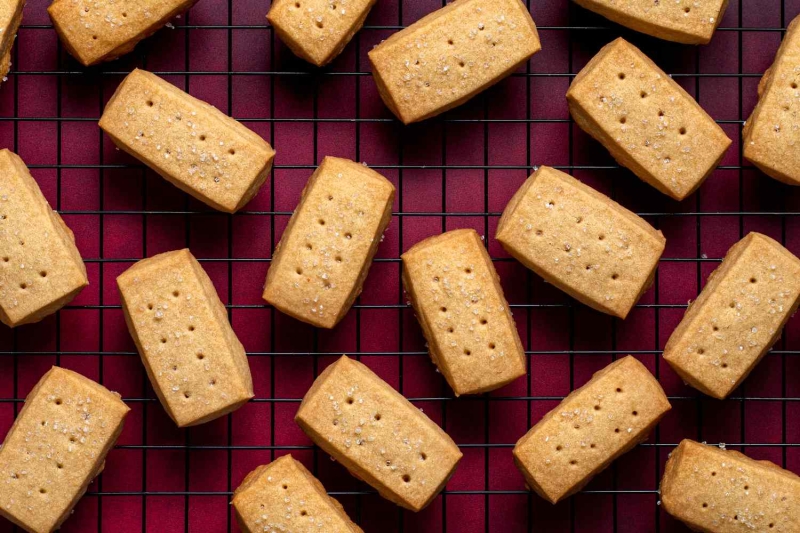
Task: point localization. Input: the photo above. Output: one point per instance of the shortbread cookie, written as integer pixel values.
(590, 428)
(772, 133)
(41, 270)
(738, 316)
(102, 30)
(190, 143)
(646, 120)
(56, 447)
(459, 303)
(197, 366)
(718, 491)
(285, 496)
(581, 241)
(452, 54)
(318, 30)
(377, 434)
(10, 19)
(319, 267)
(682, 21)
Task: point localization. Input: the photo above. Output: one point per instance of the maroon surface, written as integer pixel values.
(120, 213)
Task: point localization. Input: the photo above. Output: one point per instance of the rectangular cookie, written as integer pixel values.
(737, 317)
(322, 260)
(41, 269)
(56, 447)
(10, 19)
(452, 54)
(646, 120)
(192, 144)
(581, 241)
(103, 30)
(197, 366)
(590, 428)
(771, 133)
(285, 496)
(374, 432)
(718, 491)
(318, 30)
(682, 21)
(459, 303)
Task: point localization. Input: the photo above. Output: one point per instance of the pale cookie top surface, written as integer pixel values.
(285, 497)
(682, 20)
(467, 320)
(738, 315)
(453, 53)
(332, 234)
(581, 240)
(10, 16)
(649, 123)
(318, 27)
(592, 425)
(376, 433)
(772, 133)
(96, 28)
(39, 263)
(726, 492)
(197, 365)
(56, 446)
(186, 140)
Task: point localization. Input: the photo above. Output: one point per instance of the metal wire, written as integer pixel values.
(445, 398)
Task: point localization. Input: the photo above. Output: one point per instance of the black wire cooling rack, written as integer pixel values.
(581, 27)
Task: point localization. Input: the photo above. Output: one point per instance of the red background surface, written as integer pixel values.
(161, 479)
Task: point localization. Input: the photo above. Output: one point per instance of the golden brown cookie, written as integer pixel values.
(646, 120)
(56, 447)
(190, 143)
(197, 366)
(717, 491)
(285, 496)
(581, 241)
(374, 432)
(452, 54)
(318, 30)
(772, 133)
(738, 316)
(10, 19)
(41, 270)
(459, 303)
(682, 21)
(590, 428)
(319, 267)
(102, 30)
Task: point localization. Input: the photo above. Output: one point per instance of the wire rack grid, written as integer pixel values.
(455, 171)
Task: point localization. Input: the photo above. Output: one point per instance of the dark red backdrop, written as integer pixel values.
(120, 213)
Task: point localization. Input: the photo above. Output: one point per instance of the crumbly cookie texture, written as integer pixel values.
(190, 143)
(682, 21)
(374, 432)
(196, 364)
(41, 269)
(723, 491)
(590, 428)
(771, 135)
(581, 241)
(320, 265)
(459, 303)
(103, 30)
(318, 30)
(646, 120)
(452, 54)
(285, 496)
(56, 447)
(738, 316)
